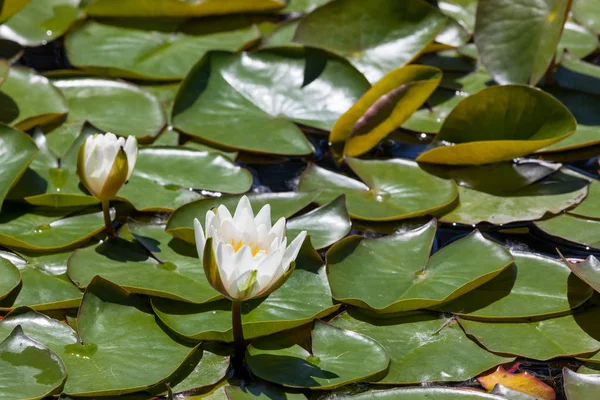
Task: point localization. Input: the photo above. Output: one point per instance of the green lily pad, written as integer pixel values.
(284, 204)
(423, 347)
(29, 369)
(109, 319)
(337, 357)
(500, 123)
(41, 21)
(580, 386)
(402, 277)
(45, 229)
(583, 106)
(384, 108)
(109, 105)
(588, 271)
(535, 286)
(510, 394)
(567, 336)
(154, 50)
(533, 33)
(303, 6)
(552, 195)
(155, 264)
(576, 74)
(572, 228)
(164, 172)
(44, 285)
(261, 391)
(8, 8)
(177, 8)
(20, 108)
(578, 40)
(239, 100)
(392, 189)
(438, 393)
(325, 225)
(11, 278)
(18, 152)
(304, 297)
(587, 12)
(392, 33)
(53, 182)
(454, 88)
(461, 10)
(203, 369)
(453, 34)
(281, 36)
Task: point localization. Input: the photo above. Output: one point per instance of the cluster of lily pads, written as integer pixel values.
(449, 190)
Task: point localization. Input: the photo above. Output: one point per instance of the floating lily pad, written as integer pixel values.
(285, 204)
(53, 182)
(154, 50)
(10, 7)
(392, 189)
(576, 74)
(582, 106)
(395, 274)
(588, 271)
(41, 21)
(572, 228)
(454, 88)
(337, 357)
(29, 369)
(580, 386)
(567, 336)
(23, 110)
(304, 297)
(414, 393)
(461, 10)
(165, 173)
(325, 225)
(261, 391)
(44, 229)
(18, 152)
(386, 106)
(510, 394)
(535, 286)
(156, 264)
(241, 102)
(552, 195)
(500, 123)
(109, 105)
(204, 369)
(177, 8)
(10, 278)
(423, 347)
(109, 319)
(578, 40)
(392, 33)
(587, 12)
(533, 33)
(44, 285)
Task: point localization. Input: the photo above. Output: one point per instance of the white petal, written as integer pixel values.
(262, 236)
(243, 261)
(278, 230)
(225, 255)
(264, 216)
(244, 219)
(200, 238)
(228, 233)
(268, 270)
(210, 216)
(223, 213)
(241, 283)
(131, 149)
(292, 251)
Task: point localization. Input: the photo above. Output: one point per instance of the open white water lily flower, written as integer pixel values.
(244, 256)
(105, 163)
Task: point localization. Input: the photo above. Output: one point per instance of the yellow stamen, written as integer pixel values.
(237, 246)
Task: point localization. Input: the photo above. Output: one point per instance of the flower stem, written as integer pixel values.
(107, 220)
(238, 340)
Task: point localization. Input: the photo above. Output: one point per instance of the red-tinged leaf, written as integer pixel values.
(522, 382)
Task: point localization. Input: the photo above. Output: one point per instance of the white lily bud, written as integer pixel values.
(105, 163)
(244, 256)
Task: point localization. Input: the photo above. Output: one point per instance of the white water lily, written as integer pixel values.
(244, 256)
(105, 163)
